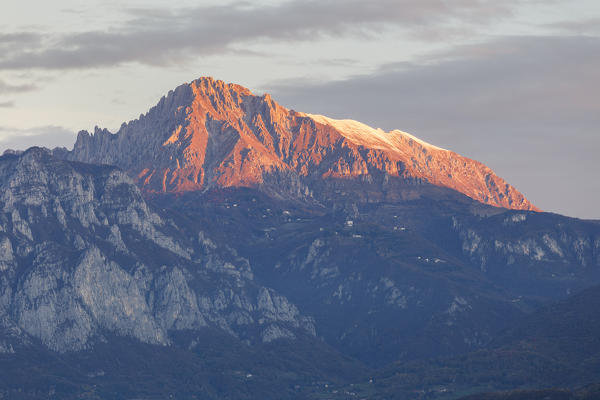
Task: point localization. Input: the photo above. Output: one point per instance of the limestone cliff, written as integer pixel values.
(83, 255)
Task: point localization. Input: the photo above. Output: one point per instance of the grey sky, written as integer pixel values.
(513, 84)
(44, 136)
(8, 88)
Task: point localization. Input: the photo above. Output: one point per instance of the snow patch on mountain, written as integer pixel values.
(363, 134)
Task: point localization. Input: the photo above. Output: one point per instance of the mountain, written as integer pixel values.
(400, 280)
(590, 392)
(556, 346)
(223, 247)
(83, 256)
(211, 134)
(101, 296)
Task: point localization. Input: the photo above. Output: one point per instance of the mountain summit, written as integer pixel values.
(209, 133)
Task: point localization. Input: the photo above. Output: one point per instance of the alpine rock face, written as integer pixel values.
(212, 134)
(83, 255)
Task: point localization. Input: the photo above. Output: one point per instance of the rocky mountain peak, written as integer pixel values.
(209, 133)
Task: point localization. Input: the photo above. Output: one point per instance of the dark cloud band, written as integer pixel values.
(161, 37)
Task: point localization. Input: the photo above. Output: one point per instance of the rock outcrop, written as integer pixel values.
(82, 255)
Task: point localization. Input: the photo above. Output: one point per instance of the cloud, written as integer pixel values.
(10, 88)
(7, 104)
(13, 41)
(578, 27)
(162, 37)
(43, 136)
(520, 104)
(525, 79)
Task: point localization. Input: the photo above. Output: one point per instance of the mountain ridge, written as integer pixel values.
(210, 133)
(290, 257)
